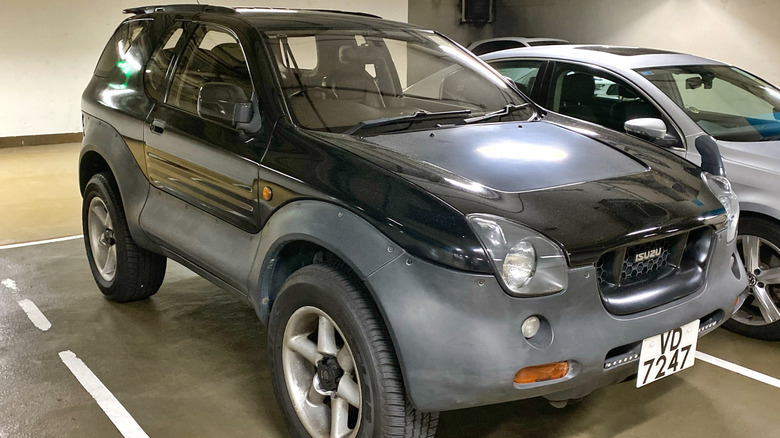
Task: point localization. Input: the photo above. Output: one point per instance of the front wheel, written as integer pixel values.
(333, 366)
(759, 245)
(122, 270)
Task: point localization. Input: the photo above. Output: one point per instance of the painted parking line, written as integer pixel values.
(755, 375)
(34, 313)
(40, 242)
(114, 410)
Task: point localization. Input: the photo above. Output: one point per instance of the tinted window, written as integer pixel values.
(495, 46)
(156, 69)
(211, 55)
(523, 73)
(598, 97)
(547, 43)
(117, 58)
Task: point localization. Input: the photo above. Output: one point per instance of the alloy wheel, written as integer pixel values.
(101, 238)
(762, 263)
(320, 373)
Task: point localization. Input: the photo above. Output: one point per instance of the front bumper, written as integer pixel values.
(459, 342)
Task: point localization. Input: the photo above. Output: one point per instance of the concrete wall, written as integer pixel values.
(444, 16)
(740, 32)
(48, 50)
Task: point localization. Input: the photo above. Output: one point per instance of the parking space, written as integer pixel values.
(191, 361)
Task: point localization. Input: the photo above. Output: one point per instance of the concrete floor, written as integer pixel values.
(191, 361)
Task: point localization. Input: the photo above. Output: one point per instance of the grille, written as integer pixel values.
(637, 277)
(633, 270)
(655, 256)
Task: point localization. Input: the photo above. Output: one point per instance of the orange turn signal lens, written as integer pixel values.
(542, 373)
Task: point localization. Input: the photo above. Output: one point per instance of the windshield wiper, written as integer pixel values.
(505, 111)
(418, 116)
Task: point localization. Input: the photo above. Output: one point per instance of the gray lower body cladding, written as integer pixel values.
(459, 339)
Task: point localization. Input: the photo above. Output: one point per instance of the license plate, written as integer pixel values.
(665, 354)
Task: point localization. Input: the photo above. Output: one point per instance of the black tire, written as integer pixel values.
(139, 273)
(769, 231)
(385, 410)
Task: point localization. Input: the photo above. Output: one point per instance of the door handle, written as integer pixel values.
(157, 126)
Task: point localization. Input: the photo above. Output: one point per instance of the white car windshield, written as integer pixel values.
(344, 81)
(726, 102)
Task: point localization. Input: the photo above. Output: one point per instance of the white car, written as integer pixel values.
(671, 99)
(504, 43)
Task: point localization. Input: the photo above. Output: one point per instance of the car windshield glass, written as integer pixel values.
(726, 102)
(337, 80)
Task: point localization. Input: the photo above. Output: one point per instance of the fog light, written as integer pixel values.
(542, 373)
(531, 327)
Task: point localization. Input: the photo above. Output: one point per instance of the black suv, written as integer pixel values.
(416, 235)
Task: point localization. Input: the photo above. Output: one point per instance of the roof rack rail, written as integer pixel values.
(192, 8)
(177, 8)
(335, 11)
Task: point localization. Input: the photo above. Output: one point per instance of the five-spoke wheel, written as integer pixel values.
(333, 365)
(122, 270)
(759, 245)
(320, 373)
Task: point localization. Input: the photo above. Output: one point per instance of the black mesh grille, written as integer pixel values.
(638, 277)
(652, 260)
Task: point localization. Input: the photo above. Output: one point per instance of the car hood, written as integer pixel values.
(589, 189)
(511, 157)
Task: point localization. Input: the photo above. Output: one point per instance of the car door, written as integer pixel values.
(595, 95)
(206, 205)
(527, 74)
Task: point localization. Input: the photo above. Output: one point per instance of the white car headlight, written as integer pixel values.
(528, 264)
(721, 188)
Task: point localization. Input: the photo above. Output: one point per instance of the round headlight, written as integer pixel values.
(519, 265)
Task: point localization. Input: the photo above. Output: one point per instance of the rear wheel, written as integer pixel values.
(759, 246)
(333, 366)
(122, 270)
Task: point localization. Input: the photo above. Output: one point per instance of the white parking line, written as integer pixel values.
(116, 412)
(755, 375)
(34, 313)
(40, 242)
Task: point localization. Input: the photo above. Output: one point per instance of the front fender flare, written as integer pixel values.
(361, 246)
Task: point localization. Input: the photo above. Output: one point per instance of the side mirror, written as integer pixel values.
(711, 161)
(648, 129)
(226, 103)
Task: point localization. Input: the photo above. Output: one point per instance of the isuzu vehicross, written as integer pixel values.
(410, 251)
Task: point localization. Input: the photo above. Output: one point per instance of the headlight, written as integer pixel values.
(528, 264)
(721, 188)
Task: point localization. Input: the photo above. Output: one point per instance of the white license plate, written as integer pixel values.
(667, 353)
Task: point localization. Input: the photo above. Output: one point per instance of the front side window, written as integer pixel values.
(599, 97)
(336, 80)
(211, 55)
(157, 67)
(726, 102)
(522, 73)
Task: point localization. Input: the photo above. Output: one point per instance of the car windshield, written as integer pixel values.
(345, 81)
(726, 102)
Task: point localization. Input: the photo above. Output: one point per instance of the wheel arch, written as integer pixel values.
(105, 150)
(306, 232)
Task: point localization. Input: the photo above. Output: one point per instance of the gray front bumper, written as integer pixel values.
(459, 342)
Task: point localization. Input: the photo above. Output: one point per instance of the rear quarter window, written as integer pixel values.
(121, 56)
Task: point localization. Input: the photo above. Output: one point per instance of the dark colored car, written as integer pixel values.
(410, 251)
